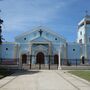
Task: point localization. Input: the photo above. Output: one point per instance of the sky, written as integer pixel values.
(60, 16)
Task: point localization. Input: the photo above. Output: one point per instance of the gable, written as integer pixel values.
(35, 34)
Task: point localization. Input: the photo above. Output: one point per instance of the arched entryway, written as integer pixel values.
(56, 59)
(40, 58)
(24, 59)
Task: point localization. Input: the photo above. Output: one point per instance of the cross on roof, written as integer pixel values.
(40, 31)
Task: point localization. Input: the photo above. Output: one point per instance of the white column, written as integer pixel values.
(20, 61)
(27, 58)
(30, 51)
(59, 63)
(20, 57)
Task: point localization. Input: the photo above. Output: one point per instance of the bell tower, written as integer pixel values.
(84, 30)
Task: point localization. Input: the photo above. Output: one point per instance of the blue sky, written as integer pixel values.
(61, 16)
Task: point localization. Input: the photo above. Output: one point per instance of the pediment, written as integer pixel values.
(39, 34)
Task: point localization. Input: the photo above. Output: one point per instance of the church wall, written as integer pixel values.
(88, 34)
(83, 50)
(88, 52)
(26, 38)
(24, 47)
(73, 51)
(8, 53)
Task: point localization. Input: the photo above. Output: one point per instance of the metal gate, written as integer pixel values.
(50, 66)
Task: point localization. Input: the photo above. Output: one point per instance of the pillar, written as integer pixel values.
(59, 62)
(20, 57)
(20, 61)
(28, 58)
(30, 53)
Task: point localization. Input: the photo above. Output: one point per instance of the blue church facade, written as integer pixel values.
(43, 46)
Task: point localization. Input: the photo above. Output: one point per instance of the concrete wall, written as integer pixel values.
(8, 53)
(8, 50)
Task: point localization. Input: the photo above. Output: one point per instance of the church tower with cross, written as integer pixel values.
(84, 36)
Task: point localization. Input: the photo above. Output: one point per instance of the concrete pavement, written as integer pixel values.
(43, 80)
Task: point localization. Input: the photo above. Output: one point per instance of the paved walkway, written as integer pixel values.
(43, 80)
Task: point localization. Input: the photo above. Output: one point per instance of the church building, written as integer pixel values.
(42, 46)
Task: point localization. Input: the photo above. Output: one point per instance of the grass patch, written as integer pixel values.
(83, 74)
(5, 72)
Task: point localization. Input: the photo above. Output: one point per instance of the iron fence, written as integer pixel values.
(76, 62)
(8, 61)
(51, 65)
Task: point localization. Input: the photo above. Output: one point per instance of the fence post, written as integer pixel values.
(76, 62)
(61, 62)
(49, 62)
(57, 65)
(40, 65)
(30, 60)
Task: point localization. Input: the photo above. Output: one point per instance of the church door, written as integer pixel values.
(24, 59)
(40, 58)
(55, 59)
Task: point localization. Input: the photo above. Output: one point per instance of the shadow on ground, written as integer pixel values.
(25, 72)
